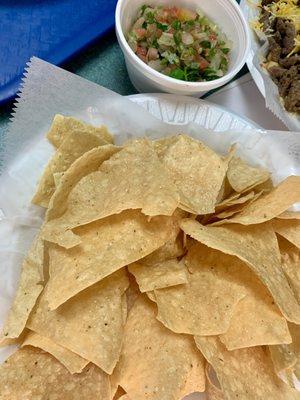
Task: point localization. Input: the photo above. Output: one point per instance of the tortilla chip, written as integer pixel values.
(256, 321)
(290, 259)
(29, 289)
(285, 357)
(33, 374)
(289, 215)
(156, 363)
(63, 126)
(57, 178)
(141, 184)
(174, 247)
(132, 292)
(151, 296)
(106, 246)
(231, 208)
(74, 363)
(84, 165)
(93, 319)
(289, 229)
(72, 147)
(297, 370)
(229, 212)
(197, 171)
(246, 373)
(242, 176)
(257, 246)
(213, 392)
(253, 320)
(205, 305)
(270, 205)
(160, 275)
(120, 393)
(234, 199)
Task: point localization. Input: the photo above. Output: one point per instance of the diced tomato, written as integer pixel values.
(162, 16)
(143, 58)
(212, 36)
(203, 63)
(140, 33)
(172, 12)
(141, 51)
(158, 33)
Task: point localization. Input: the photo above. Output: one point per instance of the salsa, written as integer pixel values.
(180, 43)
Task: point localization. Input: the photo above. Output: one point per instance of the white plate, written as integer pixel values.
(174, 109)
(254, 46)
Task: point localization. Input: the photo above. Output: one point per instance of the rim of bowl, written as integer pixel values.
(169, 80)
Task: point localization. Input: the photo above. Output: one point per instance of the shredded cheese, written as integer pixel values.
(285, 9)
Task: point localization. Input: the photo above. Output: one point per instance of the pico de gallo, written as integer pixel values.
(180, 43)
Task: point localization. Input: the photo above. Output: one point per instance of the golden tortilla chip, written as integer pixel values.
(290, 259)
(91, 325)
(238, 207)
(155, 363)
(74, 363)
(133, 178)
(289, 229)
(29, 289)
(31, 374)
(205, 305)
(106, 246)
(151, 296)
(246, 373)
(236, 198)
(72, 147)
(257, 246)
(84, 165)
(256, 321)
(289, 215)
(213, 392)
(242, 176)
(62, 127)
(197, 171)
(132, 292)
(286, 356)
(120, 393)
(174, 247)
(57, 178)
(297, 370)
(270, 205)
(161, 275)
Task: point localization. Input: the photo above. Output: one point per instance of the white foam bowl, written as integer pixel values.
(225, 13)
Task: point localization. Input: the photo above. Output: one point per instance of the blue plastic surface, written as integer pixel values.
(53, 30)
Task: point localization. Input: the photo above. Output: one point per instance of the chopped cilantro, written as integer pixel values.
(206, 44)
(176, 25)
(162, 27)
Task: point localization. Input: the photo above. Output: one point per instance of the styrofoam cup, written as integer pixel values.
(225, 13)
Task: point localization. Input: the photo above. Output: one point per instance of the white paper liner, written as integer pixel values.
(48, 90)
(259, 49)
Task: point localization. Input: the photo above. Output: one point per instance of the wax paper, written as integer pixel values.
(48, 90)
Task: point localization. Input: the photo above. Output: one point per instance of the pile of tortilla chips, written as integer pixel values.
(161, 269)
